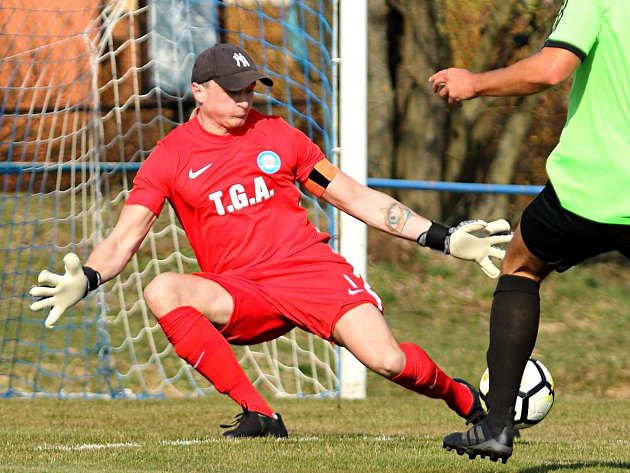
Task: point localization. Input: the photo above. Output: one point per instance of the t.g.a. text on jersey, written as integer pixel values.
(237, 197)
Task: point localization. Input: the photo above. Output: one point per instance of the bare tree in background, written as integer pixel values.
(407, 124)
(413, 134)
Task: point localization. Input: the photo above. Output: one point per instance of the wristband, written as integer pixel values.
(434, 237)
(93, 277)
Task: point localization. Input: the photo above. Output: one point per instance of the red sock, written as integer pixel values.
(423, 376)
(198, 342)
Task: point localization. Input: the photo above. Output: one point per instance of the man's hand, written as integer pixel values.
(60, 292)
(471, 240)
(474, 240)
(454, 85)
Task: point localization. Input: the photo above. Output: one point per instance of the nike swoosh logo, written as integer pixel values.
(195, 174)
(352, 292)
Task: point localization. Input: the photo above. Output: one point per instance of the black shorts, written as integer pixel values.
(563, 239)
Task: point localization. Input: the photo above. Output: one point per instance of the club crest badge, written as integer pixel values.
(268, 162)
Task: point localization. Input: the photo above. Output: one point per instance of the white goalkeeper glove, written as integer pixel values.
(62, 292)
(471, 240)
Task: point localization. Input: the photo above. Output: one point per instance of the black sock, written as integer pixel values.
(514, 319)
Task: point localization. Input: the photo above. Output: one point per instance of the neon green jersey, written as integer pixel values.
(590, 166)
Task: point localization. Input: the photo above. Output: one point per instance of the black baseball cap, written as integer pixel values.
(229, 66)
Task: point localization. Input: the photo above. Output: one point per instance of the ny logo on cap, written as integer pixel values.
(241, 61)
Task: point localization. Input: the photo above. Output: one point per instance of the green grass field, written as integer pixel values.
(398, 433)
(440, 303)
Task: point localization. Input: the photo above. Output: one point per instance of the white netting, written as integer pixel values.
(88, 87)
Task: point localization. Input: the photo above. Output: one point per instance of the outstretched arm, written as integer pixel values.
(473, 240)
(111, 256)
(60, 292)
(374, 208)
(547, 68)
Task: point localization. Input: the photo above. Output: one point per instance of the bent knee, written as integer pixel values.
(389, 364)
(162, 294)
(169, 291)
(162, 284)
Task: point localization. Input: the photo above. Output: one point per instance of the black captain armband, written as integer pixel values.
(436, 237)
(93, 277)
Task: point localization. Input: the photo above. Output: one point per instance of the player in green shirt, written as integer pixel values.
(583, 211)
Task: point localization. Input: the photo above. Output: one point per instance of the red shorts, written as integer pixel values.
(311, 290)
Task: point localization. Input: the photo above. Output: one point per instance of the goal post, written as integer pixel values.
(353, 159)
(87, 88)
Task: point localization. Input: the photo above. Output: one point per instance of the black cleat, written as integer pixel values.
(252, 424)
(476, 412)
(478, 440)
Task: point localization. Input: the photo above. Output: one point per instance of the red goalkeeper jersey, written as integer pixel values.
(234, 195)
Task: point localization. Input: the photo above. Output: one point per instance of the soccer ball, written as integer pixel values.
(535, 395)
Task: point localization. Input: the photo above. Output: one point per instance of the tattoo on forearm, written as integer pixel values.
(396, 216)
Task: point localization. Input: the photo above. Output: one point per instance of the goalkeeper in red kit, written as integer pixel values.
(230, 174)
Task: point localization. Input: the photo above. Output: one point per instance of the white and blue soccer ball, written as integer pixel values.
(535, 396)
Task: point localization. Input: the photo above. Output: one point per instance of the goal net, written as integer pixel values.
(87, 87)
